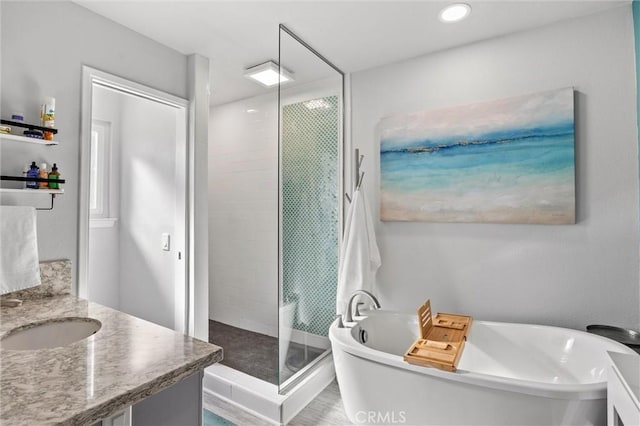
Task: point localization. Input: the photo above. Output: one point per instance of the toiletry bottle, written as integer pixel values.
(49, 116)
(33, 173)
(19, 118)
(25, 172)
(54, 174)
(43, 174)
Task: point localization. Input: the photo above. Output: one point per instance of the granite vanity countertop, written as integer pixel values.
(127, 360)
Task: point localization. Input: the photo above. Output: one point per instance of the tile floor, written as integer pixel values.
(325, 410)
(252, 353)
(257, 354)
(262, 362)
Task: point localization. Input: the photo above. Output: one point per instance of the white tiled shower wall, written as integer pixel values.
(243, 200)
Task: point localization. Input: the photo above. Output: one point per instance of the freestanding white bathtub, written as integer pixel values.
(509, 374)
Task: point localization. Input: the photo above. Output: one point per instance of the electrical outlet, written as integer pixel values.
(166, 242)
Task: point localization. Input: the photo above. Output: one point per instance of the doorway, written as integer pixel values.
(133, 200)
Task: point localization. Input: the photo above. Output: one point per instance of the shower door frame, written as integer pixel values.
(300, 375)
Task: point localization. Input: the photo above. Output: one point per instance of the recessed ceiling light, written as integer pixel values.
(252, 111)
(455, 12)
(317, 104)
(268, 74)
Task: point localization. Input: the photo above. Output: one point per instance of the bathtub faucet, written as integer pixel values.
(348, 316)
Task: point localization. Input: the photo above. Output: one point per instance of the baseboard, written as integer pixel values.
(261, 399)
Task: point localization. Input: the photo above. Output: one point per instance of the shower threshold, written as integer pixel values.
(261, 398)
(257, 354)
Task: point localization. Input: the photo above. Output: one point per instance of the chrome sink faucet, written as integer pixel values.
(348, 316)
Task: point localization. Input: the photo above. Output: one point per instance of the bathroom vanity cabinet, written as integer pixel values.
(180, 404)
(623, 390)
(128, 362)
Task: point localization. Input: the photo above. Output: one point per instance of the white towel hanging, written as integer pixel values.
(359, 257)
(19, 264)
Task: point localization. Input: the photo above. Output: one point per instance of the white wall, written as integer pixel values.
(104, 265)
(43, 46)
(198, 89)
(563, 275)
(243, 212)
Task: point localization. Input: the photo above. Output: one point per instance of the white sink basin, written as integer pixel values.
(50, 333)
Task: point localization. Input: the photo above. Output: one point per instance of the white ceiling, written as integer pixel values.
(354, 35)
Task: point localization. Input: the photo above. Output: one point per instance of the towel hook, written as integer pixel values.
(358, 174)
(359, 160)
(360, 180)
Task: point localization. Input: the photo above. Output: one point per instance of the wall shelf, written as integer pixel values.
(28, 126)
(32, 191)
(18, 138)
(51, 192)
(32, 179)
(22, 139)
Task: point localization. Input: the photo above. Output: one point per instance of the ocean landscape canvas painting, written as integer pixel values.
(504, 161)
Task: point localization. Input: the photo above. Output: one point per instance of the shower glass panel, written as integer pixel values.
(243, 226)
(310, 147)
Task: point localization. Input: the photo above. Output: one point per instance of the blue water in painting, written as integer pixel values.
(504, 159)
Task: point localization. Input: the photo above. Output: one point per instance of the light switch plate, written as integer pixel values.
(166, 242)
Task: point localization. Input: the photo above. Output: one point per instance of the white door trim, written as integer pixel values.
(184, 144)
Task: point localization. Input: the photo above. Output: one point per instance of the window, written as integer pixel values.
(99, 173)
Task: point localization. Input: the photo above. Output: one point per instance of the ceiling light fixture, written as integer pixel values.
(267, 74)
(317, 104)
(455, 12)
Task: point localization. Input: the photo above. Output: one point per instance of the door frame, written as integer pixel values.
(184, 145)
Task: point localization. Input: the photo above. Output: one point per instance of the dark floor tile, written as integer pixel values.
(252, 353)
(257, 354)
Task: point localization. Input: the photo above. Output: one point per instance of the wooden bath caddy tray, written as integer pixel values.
(441, 339)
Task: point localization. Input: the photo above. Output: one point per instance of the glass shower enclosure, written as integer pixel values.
(275, 219)
(310, 144)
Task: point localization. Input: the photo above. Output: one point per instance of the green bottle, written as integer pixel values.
(54, 174)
